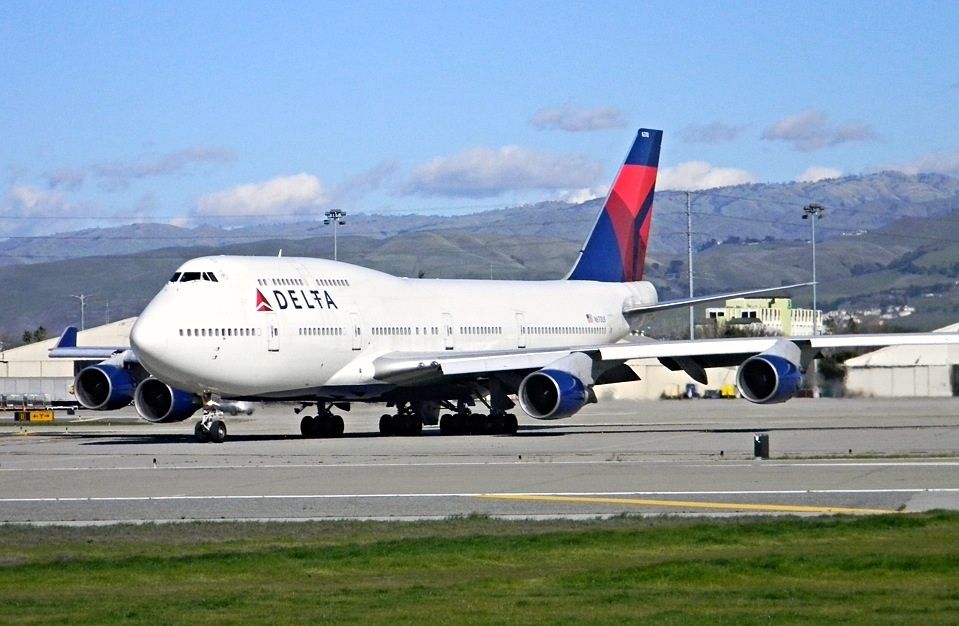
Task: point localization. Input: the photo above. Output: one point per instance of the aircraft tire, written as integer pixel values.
(336, 426)
(511, 424)
(201, 434)
(308, 426)
(218, 431)
(446, 425)
(387, 425)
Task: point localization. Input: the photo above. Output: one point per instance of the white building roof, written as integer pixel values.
(905, 356)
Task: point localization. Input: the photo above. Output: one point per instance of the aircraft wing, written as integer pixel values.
(691, 356)
(67, 348)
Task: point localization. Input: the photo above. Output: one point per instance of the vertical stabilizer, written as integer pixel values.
(615, 250)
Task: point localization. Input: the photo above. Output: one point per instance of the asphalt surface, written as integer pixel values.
(690, 457)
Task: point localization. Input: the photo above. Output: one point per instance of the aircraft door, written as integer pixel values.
(356, 331)
(448, 330)
(520, 331)
(272, 333)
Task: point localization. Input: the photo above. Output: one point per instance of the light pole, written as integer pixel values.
(813, 213)
(689, 251)
(335, 217)
(83, 309)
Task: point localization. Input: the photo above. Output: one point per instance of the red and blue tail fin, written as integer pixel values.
(615, 250)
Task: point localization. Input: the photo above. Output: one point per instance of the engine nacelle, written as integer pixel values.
(552, 394)
(104, 387)
(768, 379)
(157, 402)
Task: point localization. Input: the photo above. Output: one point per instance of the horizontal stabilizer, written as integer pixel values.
(675, 304)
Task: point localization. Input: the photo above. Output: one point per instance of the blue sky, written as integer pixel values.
(207, 112)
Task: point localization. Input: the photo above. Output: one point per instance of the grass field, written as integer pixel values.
(897, 569)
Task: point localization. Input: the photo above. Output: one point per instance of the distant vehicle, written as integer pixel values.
(237, 408)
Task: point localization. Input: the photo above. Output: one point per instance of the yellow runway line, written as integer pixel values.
(726, 506)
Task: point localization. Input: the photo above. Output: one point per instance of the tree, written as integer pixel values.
(35, 335)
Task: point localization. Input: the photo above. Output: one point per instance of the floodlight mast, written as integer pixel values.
(813, 213)
(335, 217)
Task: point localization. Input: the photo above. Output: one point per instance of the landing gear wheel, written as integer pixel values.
(308, 426)
(201, 433)
(446, 425)
(511, 424)
(217, 431)
(387, 426)
(336, 426)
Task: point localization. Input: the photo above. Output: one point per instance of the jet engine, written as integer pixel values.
(769, 378)
(104, 387)
(158, 402)
(558, 390)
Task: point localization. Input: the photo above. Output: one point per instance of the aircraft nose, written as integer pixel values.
(148, 339)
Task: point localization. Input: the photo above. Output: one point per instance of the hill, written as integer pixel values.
(854, 204)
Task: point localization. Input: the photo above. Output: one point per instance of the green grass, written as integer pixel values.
(884, 569)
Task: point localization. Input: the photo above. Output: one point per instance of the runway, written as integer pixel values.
(692, 457)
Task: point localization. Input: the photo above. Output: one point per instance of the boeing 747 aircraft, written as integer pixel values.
(326, 334)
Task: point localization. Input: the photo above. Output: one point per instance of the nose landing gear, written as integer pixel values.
(210, 428)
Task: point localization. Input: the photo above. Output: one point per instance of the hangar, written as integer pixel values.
(28, 370)
(906, 371)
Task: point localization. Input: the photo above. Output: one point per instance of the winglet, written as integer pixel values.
(615, 250)
(68, 339)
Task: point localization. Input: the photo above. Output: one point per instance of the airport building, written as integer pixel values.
(906, 371)
(774, 316)
(28, 370)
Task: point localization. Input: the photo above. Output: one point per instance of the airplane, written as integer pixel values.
(328, 334)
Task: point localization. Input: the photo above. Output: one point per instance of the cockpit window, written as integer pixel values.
(186, 277)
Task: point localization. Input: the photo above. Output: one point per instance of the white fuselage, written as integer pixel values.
(289, 327)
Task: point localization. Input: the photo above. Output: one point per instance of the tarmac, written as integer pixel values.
(688, 457)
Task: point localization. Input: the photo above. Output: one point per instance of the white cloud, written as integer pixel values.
(938, 163)
(574, 119)
(696, 175)
(578, 196)
(484, 172)
(715, 132)
(815, 173)
(284, 195)
(32, 211)
(811, 130)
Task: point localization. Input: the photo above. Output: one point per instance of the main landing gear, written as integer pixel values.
(323, 424)
(407, 422)
(465, 422)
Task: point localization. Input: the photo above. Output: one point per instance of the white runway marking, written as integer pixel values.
(717, 465)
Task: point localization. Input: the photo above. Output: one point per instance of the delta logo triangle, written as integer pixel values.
(262, 304)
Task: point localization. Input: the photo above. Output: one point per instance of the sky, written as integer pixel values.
(247, 112)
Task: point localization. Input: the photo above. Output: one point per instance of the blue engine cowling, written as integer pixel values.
(552, 394)
(158, 402)
(104, 387)
(768, 379)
